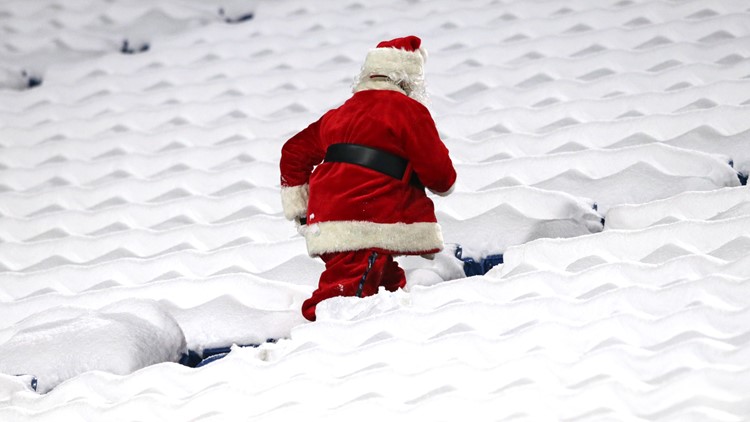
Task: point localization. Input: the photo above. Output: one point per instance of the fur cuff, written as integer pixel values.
(294, 200)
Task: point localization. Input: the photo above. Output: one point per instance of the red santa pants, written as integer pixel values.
(357, 273)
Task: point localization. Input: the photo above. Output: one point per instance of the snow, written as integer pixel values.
(10, 385)
(62, 343)
(699, 237)
(424, 272)
(350, 308)
(696, 205)
(225, 321)
(599, 149)
(523, 213)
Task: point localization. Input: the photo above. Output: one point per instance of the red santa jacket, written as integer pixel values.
(349, 207)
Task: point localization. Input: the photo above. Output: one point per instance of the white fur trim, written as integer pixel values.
(446, 193)
(382, 61)
(423, 53)
(342, 236)
(294, 200)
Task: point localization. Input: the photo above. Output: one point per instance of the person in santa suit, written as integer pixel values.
(354, 181)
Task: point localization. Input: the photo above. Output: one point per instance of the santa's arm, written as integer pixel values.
(428, 155)
(299, 156)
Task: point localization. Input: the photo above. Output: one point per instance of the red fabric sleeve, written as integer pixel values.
(427, 153)
(300, 154)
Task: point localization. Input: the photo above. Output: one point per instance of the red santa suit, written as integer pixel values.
(358, 217)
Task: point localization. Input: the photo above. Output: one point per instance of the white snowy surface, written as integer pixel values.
(597, 145)
(64, 342)
(712, 205)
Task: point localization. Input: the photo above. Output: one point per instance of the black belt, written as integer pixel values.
(372, 158)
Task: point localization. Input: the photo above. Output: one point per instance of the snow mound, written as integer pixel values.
(636, 174)
(354, 308)
(225, 321)
(718, 204)
(10, 384)
(723, 239)
(65, 342)
(520, 213)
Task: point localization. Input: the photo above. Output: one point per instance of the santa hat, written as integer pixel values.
(401, 60)
(397, 55)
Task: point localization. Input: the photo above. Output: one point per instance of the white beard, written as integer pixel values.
(409, 85)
